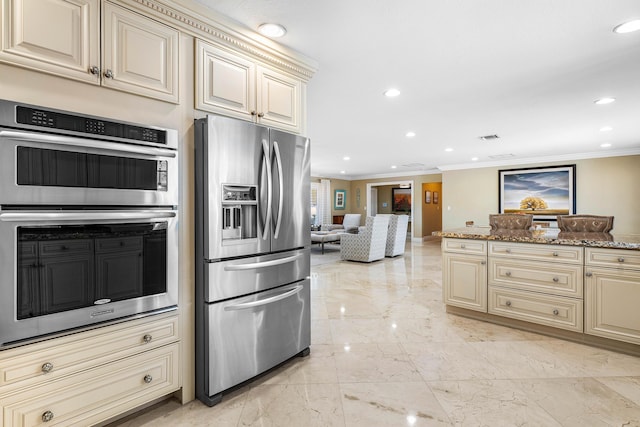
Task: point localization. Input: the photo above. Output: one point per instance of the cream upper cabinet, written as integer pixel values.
(233, 85)
(464, 274)
(63, 37)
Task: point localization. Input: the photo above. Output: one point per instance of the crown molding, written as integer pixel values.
(200, 21)
(542, 159)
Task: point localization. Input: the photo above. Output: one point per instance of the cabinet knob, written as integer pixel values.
(253, 113)
(555, 279)
(47, 416)
(94, 70)
(508, 251)
(47, 367)
(555, 254)
(620, 259)
(555, 312)
(588, 274)
(260, 114)
(483, 262)
(508, 273)
(147, 338)
(508, 303)
(108, 74)
(462, 246)
(148, 378)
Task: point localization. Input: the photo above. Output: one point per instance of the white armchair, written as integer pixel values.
(369, 244)
(397, 235)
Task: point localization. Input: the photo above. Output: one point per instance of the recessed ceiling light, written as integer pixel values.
(448, 150)
(627, 27)
(605, 145)
(393, 167)
(391, 92)
(272, 30)
(343, 172)
(410, 134)
(474, 159)
(346, 158)
(606, 129)
(603, 101)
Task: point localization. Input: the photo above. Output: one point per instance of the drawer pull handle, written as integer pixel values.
(620, 259)
(147, 338)
(555, 254)
(148, 378)
(462, 246)
(508, 251)
(508, 303)
(555, 312)
(47, 367)
(588, 274)
(47, 416)
(508, 273)
(555, 279)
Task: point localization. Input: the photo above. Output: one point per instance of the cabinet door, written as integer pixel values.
(55, 36)
(66, 282)
(278, 100)
(139, 55)
(464, 281)
(28, 284)
(225, 83)
(119, 268)
(611, 304)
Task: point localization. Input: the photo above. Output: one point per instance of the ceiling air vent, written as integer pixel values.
(501, 156)
(413, 165)
(489, 137)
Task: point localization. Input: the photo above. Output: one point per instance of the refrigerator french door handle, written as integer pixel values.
(267, 221)
(264, 264)
(265, 301)
(276, 150)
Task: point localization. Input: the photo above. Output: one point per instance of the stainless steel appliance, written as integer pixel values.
(252, 252)
(88, 221)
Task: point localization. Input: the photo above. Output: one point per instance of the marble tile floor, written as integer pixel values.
(385, 353)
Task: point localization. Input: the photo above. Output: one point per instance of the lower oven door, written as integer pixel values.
(62, 270)
(249, 335)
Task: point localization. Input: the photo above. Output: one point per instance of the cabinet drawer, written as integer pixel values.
(98, 394)
(547, 253)
(63, 247)
(613, 258)
(555, 279)
(119, 244)
(26, 365)
(466, 246)
(549, 310)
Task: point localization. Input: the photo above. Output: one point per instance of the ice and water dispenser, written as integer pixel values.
(239, 213)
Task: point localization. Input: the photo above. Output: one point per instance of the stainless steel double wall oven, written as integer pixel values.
(88, 221)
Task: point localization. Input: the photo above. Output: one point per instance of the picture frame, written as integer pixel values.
(340, 199)
(544, 192)
(427, 196)
(401, 199)
(435, 197)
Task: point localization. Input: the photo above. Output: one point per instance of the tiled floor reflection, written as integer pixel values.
(385, 353)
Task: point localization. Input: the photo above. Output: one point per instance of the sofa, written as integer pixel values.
(350, 224)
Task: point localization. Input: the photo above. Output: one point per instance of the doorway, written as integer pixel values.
(431, 208)
(381, 193)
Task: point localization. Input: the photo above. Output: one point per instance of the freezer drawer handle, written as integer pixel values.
(264, 264)
(265, 301)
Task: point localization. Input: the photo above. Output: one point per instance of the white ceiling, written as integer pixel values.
(528, 71)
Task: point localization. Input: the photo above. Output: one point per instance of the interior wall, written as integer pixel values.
(604, 186)
(385, 205)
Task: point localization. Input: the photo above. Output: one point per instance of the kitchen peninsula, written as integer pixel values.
(583, 287)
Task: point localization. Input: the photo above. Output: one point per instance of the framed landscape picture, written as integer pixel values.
(401, 199)
(543, 192)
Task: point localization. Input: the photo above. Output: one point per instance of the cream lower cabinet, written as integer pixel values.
(537, 283)
(464, 274)
(612, 294)
(92, 376)
(231, 84)
(131, 53)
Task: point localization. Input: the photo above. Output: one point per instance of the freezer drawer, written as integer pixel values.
(243, 276)
(249, 335)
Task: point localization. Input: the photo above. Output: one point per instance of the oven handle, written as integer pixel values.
(264, 264)
(265, 301)
(83, 215)
(103, 146)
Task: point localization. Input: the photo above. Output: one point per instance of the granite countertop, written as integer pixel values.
(549, 236)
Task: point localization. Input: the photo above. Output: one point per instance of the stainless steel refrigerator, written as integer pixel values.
(252, 252)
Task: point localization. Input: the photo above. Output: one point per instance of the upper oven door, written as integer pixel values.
(46, 169)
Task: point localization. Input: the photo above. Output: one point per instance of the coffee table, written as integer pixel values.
(323, 237)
